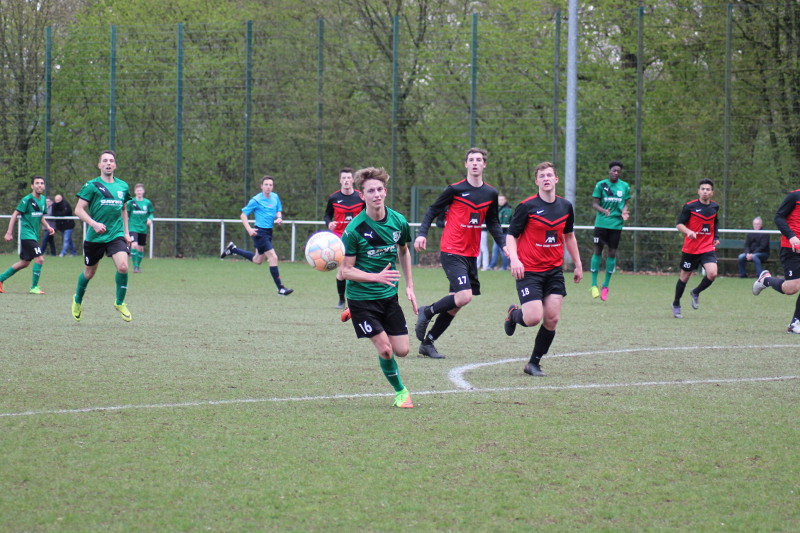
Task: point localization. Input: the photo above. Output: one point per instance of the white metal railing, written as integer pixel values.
(294, 223)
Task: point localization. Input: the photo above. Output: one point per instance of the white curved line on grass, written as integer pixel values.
(456, 374)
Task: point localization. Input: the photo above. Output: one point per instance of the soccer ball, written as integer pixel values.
(324, 251)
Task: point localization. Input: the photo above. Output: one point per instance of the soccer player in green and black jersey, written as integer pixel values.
(469, 203)
(376, 242)
(610, 200)
(101, 205)
(30, 211)
(541, 228)
(342, 206)
(140, 217)
(698, 223)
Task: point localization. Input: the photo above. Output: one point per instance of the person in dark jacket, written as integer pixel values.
(61, 208)
(756, 249)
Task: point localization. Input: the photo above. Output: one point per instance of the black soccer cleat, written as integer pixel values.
(427, 349)
(283, 291)
(695, 300)
(509, 325)
(227, 251)
(340, 305)
(533, 369)
(422, 323)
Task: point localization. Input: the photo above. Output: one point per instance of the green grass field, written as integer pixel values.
(224, 407)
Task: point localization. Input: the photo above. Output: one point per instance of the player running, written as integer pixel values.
(610, 200)
(470, 203)
(698, 222)
(30, 211)
(140, 215)
(342, 206)
(541, 228)
(376, 241)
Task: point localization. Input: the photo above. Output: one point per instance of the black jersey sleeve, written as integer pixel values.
(328, 217)
(787, 206)
(437, 208)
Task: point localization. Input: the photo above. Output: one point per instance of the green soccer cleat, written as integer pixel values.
(77, 310)
(36, 290)
(123, 310)
(403, 399)
(595, 291)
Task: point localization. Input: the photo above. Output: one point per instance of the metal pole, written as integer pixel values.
(473, 96)
(112, 99)
(248, 109)
(48, 88)
(556, 84)
(395, 90)
(572, 102)
(637, 166)
(320, 87)
(178, 138)
(727, 124)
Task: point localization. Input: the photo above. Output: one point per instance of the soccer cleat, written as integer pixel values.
(695, 299)
(403, 399)
(340, 305)
(509, 325)
(77, 310)
(427, 349)
(283, 291)
(227, 251)
(346, 315)
(136, 270)
(123, 310)
(794, 327)
(36, 290)
(533, 369)
(759, 286)
(604, 294)
(595, 291)
(676, 311)
(422, 323)
(1, 287)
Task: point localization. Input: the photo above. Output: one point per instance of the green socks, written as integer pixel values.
(595, 268)
(122, 287)
(7, 274)
(611, 266)
(37, 273)
(392, 373)
(79, 292)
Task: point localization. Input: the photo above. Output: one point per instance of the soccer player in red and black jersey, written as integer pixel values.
(470, 203)
(787, 218)
(343, 206)
(540, 229)
(698, 223)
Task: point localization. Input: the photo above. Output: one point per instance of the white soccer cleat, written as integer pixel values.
(794, 327)
(759, 286)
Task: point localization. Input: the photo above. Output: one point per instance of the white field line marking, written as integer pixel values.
(456, 375)
(202, 403)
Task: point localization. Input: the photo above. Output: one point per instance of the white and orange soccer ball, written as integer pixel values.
(324, 251)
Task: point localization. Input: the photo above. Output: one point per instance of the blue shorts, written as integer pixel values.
(263, 240)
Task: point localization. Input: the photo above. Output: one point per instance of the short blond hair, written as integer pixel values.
(370, 173)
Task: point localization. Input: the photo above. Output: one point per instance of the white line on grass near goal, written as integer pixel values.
(462, 389)
(456, 375)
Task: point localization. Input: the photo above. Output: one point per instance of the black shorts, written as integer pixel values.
(139, 238)
(690, 262)
(607, 237)
(93, 251)
(29, 249)
(462, 272)
(370, 317)
(537, 285)
(791, 263)
(263, 240)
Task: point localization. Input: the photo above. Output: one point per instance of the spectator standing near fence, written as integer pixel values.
(471, 203)
(30, 212)
(62, 208)
(610, 200)
(49, 241)
(101, 205)
(342, 206)
(698, 223)
(787, 218)
(541, 229)
(268, 211)
(140, 214)
(756, 249)
(376, 244)
(504, 212)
